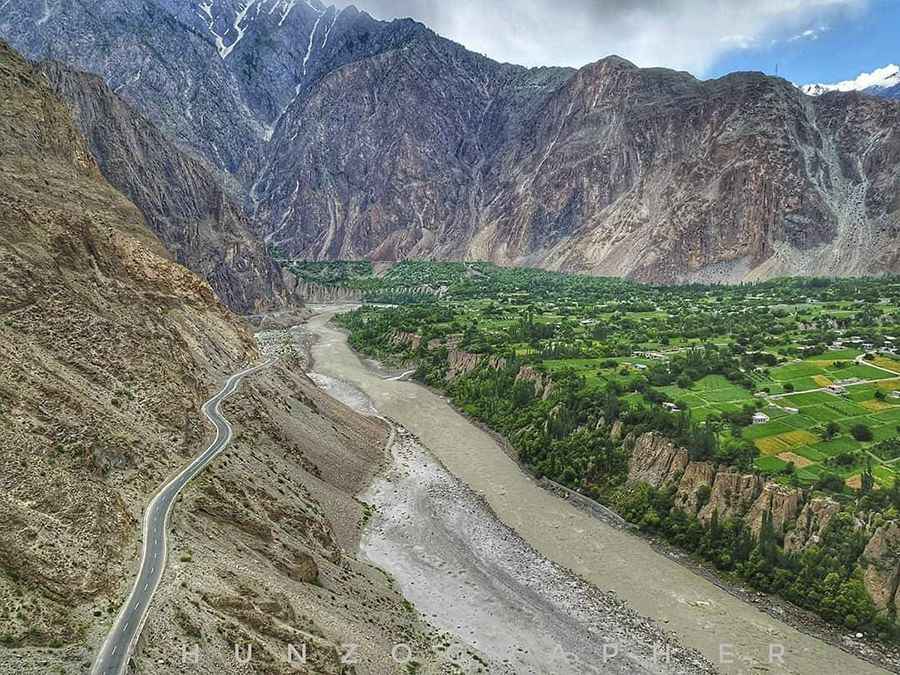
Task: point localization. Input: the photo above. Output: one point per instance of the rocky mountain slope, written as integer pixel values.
(891, 92)
(180, 198)
(107, 350)
(348, 137)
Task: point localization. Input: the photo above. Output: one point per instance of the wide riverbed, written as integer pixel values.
(734, 635)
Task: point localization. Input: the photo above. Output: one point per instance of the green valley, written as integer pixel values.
(793, 384)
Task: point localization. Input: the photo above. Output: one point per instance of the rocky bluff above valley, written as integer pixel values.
(799, 518)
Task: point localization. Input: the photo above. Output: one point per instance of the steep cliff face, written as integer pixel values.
(317, 293)
(179, 196)
(543, 384)
(882, 565)
(694, 486)
(410, 178)
(214, 76)
(782, 503)
(656, 460)
(731, 496)
(660, 176)
(800, 519)
(703, 490)
(460, 362)
(348, 137)
(811, 523)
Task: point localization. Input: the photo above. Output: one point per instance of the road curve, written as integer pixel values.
(112, 658)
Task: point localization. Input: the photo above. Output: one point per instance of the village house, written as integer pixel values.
(659, 356)
(760, 418)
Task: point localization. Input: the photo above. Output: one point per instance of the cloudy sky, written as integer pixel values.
(810, 40)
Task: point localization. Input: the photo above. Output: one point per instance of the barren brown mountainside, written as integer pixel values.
(107, 350)
(347, 137)
(181, 199)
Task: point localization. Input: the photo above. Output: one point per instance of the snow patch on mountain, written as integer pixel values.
(880, 78)
(215, 12)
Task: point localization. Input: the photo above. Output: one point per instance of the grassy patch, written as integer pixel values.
(884, 432)
(810, 398)
(771, 428)
(810, 453)
(889, 385)
(887, 362)
(711, 382)
(836, 446)
(797, 460)
(770, 464)
(726, 394)
(860, 371)
(888, 416)
(822, 413)
(821, 380)
(794, 371)
(799, 421)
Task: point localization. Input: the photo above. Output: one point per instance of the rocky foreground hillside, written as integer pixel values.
(347, 137)
(107, 350)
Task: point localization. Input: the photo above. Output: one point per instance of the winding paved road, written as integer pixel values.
(113, 656)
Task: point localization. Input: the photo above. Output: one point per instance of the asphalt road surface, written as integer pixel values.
(116, 650)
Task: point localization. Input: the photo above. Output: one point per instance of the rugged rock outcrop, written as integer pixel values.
(318, 293)
(461, 362)
(411, 340)
(349, 137)
(882, 565)
(782, 503)
(656, 460)
(107, 348)
(543, 385)
(731, 496)
(702, 490)
(811, 523)
(694, 486)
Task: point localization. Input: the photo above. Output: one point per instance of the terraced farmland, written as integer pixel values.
(802, 438)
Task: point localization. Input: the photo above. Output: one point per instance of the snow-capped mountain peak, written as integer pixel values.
(879, 79)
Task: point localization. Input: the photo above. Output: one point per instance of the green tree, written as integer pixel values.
(861, 432)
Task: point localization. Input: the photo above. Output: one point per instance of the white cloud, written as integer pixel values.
(808, 34)
(682, 34)
(739, 41)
